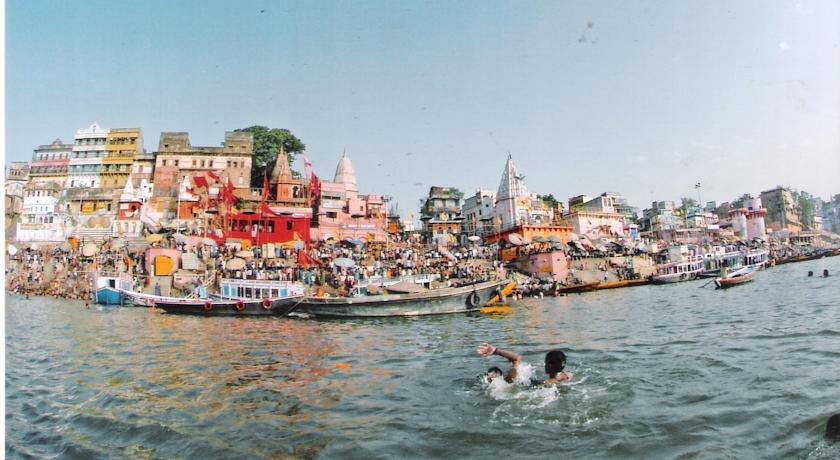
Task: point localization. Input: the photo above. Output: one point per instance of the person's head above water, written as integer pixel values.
(493, 372)
(832, 428)
(555, 361)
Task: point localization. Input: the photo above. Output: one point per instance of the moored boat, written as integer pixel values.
(238, 297)
(685, 270)
(427, 302)
(577, 288)
(109, 286)
(735, 278)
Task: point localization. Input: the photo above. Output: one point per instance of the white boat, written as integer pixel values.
(757, 258)
(688, 269)
(239, 297)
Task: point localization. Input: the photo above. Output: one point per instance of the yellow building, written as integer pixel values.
(121, 147)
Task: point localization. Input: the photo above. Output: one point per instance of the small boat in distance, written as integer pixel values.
(109, 287)
(744, 275)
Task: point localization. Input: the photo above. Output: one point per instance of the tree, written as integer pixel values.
(267, 142)
(739, 203)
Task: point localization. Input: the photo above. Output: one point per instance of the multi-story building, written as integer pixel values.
(142, 175)
(782, 210)
(479, 213)
(748, 221)
(122, 145)
(597, 215)
(178, 164)
(85, 165)
(343, 214)
(17, 175)
(50, 162)
(42, 218)
(441, 215)
(660, 216)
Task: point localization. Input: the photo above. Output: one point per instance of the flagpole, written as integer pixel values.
(178, 209)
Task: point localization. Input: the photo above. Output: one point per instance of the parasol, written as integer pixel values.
(209, 241)
(573, 237)
(539, 239)
(12, 250)
(344, 262)
(154, 238)
(89, 249)
(515, 239)
(555, 239)
(474, 238)
(235, 264)
(245, 254)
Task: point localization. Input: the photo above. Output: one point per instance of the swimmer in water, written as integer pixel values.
(832, 428)
(485, 349)
(555, 361)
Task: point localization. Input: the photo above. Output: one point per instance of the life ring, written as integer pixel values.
(473, 299)
(208, 306)
(240, 305)
(683, 276)
(266, 304)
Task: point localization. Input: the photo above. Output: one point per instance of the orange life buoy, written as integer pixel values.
(208, 306)
(240, 305)
(266, 304)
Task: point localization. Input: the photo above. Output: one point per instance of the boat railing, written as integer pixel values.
(235, 283)
(382, 280)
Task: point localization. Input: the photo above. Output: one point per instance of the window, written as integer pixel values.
(288, 225)
(175, 162)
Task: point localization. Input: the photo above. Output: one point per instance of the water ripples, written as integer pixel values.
(661, 371)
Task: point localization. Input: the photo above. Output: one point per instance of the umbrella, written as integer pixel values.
(573, 236)
(357, 242)
(235, 264)
(557, 246)
(64, 246)
(33, 247)
(344, 262)
(89, 249)
(539, 239)
(474, 238)
(179, 237)
(208, 241)
(12, 250)
(154, 238)
(117, 243)
(515, 239)
(245, 254)
(555, 239)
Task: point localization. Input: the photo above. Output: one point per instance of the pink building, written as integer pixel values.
(548, 264)
(748, 222)
(343, 214)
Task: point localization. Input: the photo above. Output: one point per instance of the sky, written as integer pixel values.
(645, 98)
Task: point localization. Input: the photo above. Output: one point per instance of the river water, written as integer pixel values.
(679, 371)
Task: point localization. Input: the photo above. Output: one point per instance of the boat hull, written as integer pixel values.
(433, 302)
(109, 296)
(209, 307)
(723, 283)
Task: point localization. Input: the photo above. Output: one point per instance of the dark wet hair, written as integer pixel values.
(555, 361)
(832, 428)
(496, 370)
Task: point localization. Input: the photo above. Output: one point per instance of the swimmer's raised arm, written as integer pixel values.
(485, 349)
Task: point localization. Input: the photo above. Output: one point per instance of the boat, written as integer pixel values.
(109, 287)
(757, 258)
(720, 258)
(427, 302)
(237, 297)
(735, 278)
(687, 269)
(578, 288)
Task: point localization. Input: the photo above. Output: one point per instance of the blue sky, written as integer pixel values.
(643, 98)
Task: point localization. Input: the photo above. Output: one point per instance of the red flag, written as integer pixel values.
(213, 176)
(314, 189)
(230, 198)
(266, 211)
(265, 188)
(200, 181)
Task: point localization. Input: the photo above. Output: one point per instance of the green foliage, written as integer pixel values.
(739, 203)
(552, 202)
(267, 142)
(688, 203)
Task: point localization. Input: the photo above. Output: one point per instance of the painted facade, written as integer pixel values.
(344, 214)
(50, 163)
(122, 145)
(441, 215)
(782, 210)
(85, 165)
(515, 206)
(748, 221)
(479, 213)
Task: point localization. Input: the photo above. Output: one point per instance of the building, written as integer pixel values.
(515, 206)
(142, 175)
(17, 176)
(85, 165)
(441, 215)
(50, 163)
(122, 145)
(341, 213)
(782, 210)
(179, 166)
(479, 213)
(748, 221)
(660, 216)
(42, 218)
(597, 216)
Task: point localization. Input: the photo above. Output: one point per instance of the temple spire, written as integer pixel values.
(344, 173)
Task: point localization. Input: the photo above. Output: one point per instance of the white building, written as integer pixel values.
(85, 164)
(479, 213)
(41, 219)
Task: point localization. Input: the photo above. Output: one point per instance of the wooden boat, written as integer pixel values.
(735, 278)
(428, 302)
(577, 288)
(108, 287)
(238, 297)
(621, 284)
